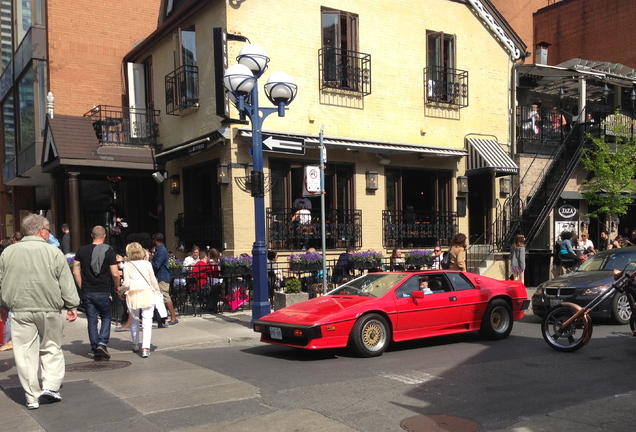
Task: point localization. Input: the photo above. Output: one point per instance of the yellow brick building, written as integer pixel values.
(415, 99)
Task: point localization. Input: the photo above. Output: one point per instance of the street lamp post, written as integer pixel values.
(241, 80)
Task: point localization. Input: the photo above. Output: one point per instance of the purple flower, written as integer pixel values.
(418, 253)
(366, 256)
(305, 258)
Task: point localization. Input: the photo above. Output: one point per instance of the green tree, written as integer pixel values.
(613, 166)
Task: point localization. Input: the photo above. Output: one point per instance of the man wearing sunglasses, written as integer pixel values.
(437, 258)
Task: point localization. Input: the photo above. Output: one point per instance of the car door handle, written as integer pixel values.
(453, 298)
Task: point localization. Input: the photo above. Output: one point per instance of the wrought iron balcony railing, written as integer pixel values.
(446, 86)
(417, 229)
(123, 126)
(344, 70)
(182, 89)
(343, 228)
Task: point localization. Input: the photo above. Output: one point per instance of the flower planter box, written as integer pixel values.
(176, 272)
(282, 300)
(417, 262)
(235, 271)
(367, 264)
(304, 267)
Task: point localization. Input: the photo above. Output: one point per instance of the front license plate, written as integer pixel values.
(555, 302)
(275, 333)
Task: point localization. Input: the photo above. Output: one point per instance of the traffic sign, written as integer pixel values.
(280, 144)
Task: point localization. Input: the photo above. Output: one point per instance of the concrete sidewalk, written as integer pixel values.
(163, 393)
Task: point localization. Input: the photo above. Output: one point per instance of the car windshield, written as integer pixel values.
(609, 261)
(370, 285)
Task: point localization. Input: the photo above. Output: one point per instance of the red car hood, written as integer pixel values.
(318, 310)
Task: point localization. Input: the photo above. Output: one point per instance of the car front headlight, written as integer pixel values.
(595, 290)
(539, 291)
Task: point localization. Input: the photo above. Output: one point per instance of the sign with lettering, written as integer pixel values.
(567, 211)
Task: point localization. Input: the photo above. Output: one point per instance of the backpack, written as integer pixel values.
(445, 263)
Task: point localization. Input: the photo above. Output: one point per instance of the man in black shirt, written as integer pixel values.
(95, 271)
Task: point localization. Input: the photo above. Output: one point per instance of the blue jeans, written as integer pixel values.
(97, 303)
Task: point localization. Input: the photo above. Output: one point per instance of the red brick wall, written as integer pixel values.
(601, 30)
(519, 16)
(87, 41)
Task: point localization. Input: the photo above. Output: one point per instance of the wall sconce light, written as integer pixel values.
(223, 174)
(505, 185)
(605, 92)
(462, 184)
(175, 184)
(372, 180)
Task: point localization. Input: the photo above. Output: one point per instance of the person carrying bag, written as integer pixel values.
(142, 294)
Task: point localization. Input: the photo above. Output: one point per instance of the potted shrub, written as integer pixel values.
(366, 260)
(306, 262)
(292, 294)
(418, 257)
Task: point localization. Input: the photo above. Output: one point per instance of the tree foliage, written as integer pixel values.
(613, 166)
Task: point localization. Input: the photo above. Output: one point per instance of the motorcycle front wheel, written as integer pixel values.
(567, 339)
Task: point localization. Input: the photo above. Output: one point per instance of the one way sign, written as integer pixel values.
(279, 144)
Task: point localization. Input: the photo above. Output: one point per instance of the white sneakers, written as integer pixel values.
(50, 396)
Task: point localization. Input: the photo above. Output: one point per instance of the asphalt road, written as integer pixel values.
(493, 383)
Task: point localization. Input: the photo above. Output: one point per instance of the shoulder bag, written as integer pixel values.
(445, 263)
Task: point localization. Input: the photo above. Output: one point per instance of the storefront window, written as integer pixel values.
(8, 125)
(26, 110)
(23, 19)
(6, 40)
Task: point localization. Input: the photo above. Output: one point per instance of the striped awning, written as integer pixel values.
(381, 147)
(487, 156)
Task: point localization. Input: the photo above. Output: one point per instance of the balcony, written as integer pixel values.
(418, 229)
(446, 86)
(123, 126)
(540, 130)
(344, 70)
(343, 228)
(182, 89)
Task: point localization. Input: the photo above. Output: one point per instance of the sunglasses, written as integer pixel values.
(437, 250)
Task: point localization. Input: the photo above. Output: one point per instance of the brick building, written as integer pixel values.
(72, 50)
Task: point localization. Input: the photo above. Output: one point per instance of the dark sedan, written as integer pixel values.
(591, 279)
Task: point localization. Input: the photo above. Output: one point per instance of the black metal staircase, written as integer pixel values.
(550, 186)
(529, 215)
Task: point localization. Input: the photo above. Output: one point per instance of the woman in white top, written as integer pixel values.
(140, 287)
(303, 218)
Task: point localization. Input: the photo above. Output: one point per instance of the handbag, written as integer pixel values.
(146, 297)
(445, 263)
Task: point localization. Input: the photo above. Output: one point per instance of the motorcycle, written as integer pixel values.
(568, 327)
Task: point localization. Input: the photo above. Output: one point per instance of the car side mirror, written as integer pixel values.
(417, 294)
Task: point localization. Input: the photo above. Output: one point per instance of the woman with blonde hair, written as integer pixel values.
(457, 252)
(518, 255)
(140, 287)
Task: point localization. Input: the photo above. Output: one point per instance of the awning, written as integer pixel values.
(373, 146)
(189, 147)
(487, 156)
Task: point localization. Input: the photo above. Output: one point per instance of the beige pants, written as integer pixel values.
(27, 328)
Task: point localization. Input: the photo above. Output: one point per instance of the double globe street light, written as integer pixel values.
(241, 81)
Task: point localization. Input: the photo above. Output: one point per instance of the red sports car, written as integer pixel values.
(372, 310)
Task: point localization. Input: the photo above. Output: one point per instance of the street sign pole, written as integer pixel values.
(323, 163)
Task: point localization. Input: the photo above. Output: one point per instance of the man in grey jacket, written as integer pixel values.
(35, 285)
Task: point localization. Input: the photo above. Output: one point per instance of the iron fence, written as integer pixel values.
(346, 70)
(124, 126)
(343, 228)
(403, 229)
(182, 89)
